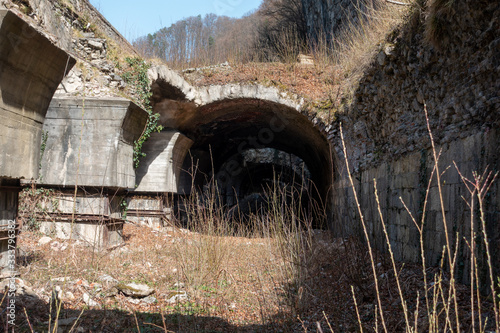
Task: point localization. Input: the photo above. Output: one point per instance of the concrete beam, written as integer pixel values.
(160, 170)
(94, 218)
(31, 68)
(90, 142)
(149, 211)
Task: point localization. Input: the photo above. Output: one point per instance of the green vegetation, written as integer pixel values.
(137, 76)
(43, 146)
(124, 208)
(36, 202)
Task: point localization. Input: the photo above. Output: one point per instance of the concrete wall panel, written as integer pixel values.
(31, 68)
(160, 170)
(90, 142)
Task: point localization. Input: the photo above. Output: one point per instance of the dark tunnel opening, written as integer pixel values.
(256, 175)
(248, 147)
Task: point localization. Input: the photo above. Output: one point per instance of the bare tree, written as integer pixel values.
(282, 31)
(197, 41)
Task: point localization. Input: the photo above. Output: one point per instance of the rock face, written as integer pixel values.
(330, 16)
(458, 83)
(387, 138)
(59, 17)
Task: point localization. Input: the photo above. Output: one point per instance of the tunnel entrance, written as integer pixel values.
(250, 181)
(247, 141)
(250, 148)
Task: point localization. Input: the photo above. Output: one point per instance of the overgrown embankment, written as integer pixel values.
(445, 57)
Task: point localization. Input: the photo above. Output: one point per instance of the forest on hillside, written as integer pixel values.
(276, 31)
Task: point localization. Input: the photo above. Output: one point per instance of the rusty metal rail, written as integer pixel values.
(78, 218)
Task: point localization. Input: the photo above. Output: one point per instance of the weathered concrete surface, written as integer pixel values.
(407, 178)
(159, 170)
(90, 142)
(98, 235)
(63, 204)
(96, 219)
(148, 211)
(31, 68)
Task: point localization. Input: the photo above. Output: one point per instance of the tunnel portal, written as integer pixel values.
(249, 147)
(245, 139)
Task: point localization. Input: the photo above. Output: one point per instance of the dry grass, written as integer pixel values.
(437, 24)
(363, 38)
(279, 275)
(318, 84)
(447, 306)
(237, 290)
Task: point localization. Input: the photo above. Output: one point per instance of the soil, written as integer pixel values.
(233, 284)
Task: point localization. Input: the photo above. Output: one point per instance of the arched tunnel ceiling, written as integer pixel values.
(240, 124)
(226, 120)
(228, 127)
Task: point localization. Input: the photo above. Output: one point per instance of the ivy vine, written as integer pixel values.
(35, 202)
(137, 76)
(43, 146)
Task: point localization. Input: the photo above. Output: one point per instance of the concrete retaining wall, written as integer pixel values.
(96, 219)
(149, 211)
(90, 142)
(31, 68)
(407, 178)
(99, 235)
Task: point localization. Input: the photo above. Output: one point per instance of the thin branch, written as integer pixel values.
(397, 3)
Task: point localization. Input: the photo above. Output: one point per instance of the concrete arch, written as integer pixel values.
(224, 121)
(231, 126)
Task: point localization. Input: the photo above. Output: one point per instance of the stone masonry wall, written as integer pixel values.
(408, 178)
(59, 17)
(387, 138)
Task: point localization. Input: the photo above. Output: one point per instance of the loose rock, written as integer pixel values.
(177, 296)
(135, 290)
(89, 301)
(44, 240)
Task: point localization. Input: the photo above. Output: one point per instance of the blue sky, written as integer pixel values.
(138, 18)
